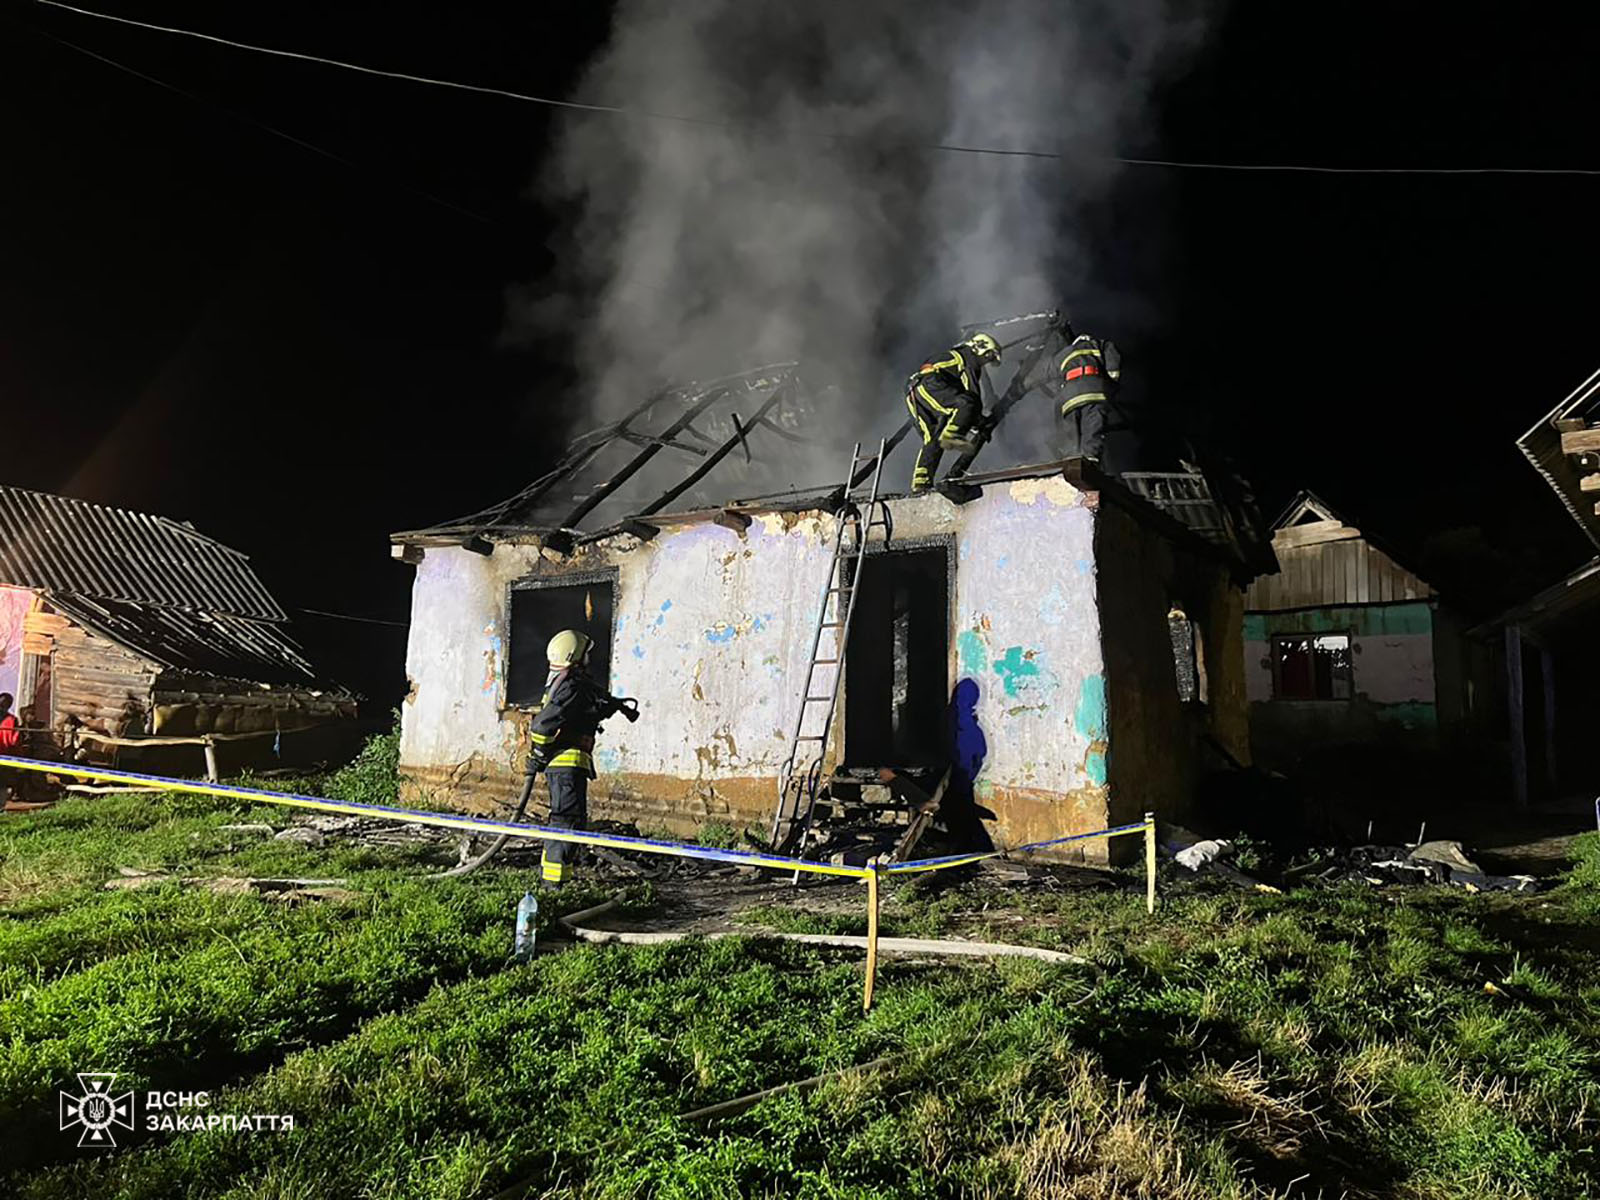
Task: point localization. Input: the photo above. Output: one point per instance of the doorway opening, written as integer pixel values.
(897, 684)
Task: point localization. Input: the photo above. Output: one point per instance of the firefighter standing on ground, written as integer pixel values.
(946, 404)
(1091, 373)
(563, 732)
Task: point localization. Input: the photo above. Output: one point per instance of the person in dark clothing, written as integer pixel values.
(1091, 373)
(946, 403)
(562, 737)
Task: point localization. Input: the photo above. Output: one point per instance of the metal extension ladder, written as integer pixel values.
(797, 786)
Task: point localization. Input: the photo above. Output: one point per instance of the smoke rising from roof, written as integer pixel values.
(821, 228)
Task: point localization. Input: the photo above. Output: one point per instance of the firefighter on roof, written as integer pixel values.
(1091, 373)
(946, 403)
(562, 734)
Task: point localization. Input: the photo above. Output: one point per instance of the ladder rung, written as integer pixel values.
(824, 662)
(812, 737)
(832, 625)
(818, 699)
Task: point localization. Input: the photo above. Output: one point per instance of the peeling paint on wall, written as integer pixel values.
(1018, 669)
(1089, 717)
(973, 653)
(1054, 490)
(492, 658)
(719, 633)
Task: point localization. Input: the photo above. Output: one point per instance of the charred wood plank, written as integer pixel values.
(599, 494)
(1581, 441)
(715, 457)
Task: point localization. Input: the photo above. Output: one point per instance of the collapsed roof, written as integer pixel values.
(1564, 447)
(155, 586)
(704, 447)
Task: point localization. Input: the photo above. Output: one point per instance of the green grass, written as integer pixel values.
(1236, 1045)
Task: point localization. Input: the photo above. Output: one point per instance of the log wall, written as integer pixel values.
(96, 681)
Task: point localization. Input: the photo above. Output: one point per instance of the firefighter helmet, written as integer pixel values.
(568, 648)
(984, 346)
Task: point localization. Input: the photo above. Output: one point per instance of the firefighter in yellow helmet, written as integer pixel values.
(946, 402)
(563, 732)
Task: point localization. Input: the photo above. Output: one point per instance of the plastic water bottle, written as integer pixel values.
(527, 926)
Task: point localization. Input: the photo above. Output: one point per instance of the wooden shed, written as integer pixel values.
(124, 624)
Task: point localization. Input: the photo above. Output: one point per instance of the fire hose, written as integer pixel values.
(627, 706)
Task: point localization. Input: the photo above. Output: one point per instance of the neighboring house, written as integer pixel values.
(125, 624)
(1550, 644)
(1040, 619)
(1346, 646)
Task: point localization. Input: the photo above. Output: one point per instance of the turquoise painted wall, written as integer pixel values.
(1364, 620)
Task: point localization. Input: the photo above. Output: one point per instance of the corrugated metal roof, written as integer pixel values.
(1542, 446)
(203, 643)
(58, 544)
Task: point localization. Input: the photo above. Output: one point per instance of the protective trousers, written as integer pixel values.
(938, 412)
(1086, 430)
(569, 809)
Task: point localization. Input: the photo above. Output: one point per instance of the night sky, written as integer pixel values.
(301, 355)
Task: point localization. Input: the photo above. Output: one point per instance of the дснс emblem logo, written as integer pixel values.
(96, 1109)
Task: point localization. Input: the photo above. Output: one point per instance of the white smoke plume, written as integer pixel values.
(822, 227)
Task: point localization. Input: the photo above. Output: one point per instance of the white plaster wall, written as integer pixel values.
(1385, 669)
(713, 635)
(713, 630)
(1394, 668)
(1027, 629)
(455, 657)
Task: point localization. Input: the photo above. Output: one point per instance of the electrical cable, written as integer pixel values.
(717, 123)
(319, 612)
(263, 126)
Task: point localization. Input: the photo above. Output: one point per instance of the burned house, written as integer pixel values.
(1071, 644)
(127, 625)
(1346, 647)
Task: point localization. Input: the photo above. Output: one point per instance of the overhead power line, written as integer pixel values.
(262, 125)
(319, 612)
(818, 135)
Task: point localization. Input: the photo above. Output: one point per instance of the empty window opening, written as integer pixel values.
(897, 685)
(537, 615)
(1311, 666)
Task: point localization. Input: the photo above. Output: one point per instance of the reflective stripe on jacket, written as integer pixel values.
(954, 371)
(570, 713)
(1091, 371)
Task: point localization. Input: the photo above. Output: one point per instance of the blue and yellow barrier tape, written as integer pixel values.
(485, 826)
(961, 860)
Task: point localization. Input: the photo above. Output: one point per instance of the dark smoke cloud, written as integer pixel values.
(698, 250)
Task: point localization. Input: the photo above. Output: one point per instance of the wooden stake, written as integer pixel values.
(872, 938)
(1150, 861)
(211, 760)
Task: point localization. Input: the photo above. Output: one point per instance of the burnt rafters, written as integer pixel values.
(705, 395)
(606, 488)
(645, 439)
(579, 454)
(716, 456)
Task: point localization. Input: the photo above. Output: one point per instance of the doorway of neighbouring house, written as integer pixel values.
(897, 684)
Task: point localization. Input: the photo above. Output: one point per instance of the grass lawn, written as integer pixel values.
(1332, 1042)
